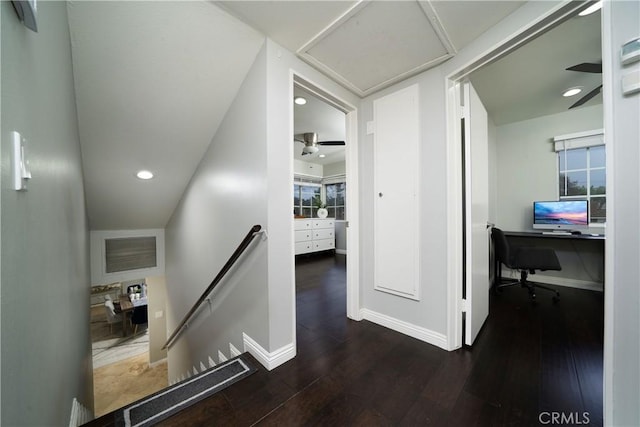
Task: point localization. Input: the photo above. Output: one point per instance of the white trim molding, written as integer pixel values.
(414, 331)
(269, 360)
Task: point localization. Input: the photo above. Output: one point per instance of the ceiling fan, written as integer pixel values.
(587, 67)
(310, 141)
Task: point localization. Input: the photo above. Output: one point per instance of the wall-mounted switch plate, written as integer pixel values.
(370, 128)
(20, 163)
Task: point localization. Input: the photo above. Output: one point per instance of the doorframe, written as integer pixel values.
(455, 265)
(351, 172)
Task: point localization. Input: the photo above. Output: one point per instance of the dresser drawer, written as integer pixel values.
(323, 223)
(304, 247)
(303, 235)
(302, 224)
(323, 233)
(322, 245)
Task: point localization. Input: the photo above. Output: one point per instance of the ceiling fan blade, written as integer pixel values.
(331, 143)
(587, 97)
(587, 67)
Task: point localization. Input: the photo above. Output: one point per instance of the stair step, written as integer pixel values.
(166, 402)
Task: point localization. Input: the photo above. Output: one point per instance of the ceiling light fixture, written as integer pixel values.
(309, 149)
(572, 91)
(144, 174)
(322, 156)
(594, 7)
(299, 100)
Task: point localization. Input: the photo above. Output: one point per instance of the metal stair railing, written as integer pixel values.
(224, 270)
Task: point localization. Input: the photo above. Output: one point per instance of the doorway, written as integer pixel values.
(339, 179)
(501, 208)
(465, 267)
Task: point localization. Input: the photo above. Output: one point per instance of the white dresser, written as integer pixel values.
(314, 235)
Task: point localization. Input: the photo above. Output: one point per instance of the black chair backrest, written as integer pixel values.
(139, 315)
(501, 246)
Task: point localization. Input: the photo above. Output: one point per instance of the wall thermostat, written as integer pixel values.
(630, 51)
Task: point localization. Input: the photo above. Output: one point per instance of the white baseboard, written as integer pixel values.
(341, 251)
(417, 332)
(157, 362)
(269, 360)
(569, 283)
(563, 281)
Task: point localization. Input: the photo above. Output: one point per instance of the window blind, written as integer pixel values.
(130, 253)
(579, 140)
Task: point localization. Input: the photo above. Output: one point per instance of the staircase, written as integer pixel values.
(186, 391)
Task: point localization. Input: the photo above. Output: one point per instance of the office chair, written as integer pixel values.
(527, 259)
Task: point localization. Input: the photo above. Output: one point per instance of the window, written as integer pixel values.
(334, 197)
(583, 176)
(306, 197)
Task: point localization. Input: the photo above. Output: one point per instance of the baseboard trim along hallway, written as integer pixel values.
(269, 360)
(417, 332)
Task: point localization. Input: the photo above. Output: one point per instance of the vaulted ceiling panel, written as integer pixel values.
(377, 44)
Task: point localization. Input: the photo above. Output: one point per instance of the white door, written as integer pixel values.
(476, 234)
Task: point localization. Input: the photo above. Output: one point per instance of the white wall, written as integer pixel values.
(244, 179)
(303, 168)
(280, 66)
(157, 297)
(621, 23)
(428, 314)
(427, 318)
(527, 165)
(46, 346)
(338, 168)
(227, 195)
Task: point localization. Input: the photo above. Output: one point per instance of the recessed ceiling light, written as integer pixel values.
(572, 91)
(144, 174)
(322, 156)
(299, 100)
(594, 7)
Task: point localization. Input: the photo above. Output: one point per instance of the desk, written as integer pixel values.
(126, 306)
(581, 257)
(539, 235)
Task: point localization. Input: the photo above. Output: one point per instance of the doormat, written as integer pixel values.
(163, 404)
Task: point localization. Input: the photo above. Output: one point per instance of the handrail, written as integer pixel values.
(225, 268)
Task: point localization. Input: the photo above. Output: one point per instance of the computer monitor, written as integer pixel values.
(562, 215)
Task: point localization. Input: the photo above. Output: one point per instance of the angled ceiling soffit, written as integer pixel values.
(350, 48)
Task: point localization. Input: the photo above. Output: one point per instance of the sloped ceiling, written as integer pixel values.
(529, 82)
(153, 81)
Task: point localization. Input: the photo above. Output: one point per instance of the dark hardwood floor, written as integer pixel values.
(528, 359)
